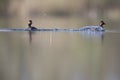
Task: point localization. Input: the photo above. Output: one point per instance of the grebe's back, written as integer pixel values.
(94, 28)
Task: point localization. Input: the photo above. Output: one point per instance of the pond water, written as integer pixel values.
(59, 55)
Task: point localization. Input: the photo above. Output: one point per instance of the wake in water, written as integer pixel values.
(41, 29)
(56, 29)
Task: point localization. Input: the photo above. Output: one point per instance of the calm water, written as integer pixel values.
(59, 56)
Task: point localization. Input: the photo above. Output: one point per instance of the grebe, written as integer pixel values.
(94, 28)
(30, 25)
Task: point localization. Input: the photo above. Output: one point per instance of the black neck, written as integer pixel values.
(101, 24)
(30, 24)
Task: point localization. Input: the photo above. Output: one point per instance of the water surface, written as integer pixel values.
(59, 56)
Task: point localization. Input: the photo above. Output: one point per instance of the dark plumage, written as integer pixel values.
(102, 23)
(30, 25)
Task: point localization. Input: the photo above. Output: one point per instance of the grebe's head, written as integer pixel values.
(102, 23)
(30, 23)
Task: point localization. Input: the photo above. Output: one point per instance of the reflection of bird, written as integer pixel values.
(94, 28)
(30, 25)
(30, 36)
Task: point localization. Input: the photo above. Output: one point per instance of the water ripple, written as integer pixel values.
(57, 30)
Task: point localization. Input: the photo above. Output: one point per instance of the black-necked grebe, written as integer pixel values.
(94, 28)
(102, 23)
(30, 25)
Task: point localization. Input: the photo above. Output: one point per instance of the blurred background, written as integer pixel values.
(59, 13)
(59, 55)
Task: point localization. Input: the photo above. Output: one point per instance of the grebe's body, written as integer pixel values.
(30, 25)
(94, 28)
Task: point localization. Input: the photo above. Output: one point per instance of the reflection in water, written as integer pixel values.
(50, 38)
(59, 56)
(92, 34)
(99, 35)
(94, 43)
(63, 62)
(30, 36)
(31, 33)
